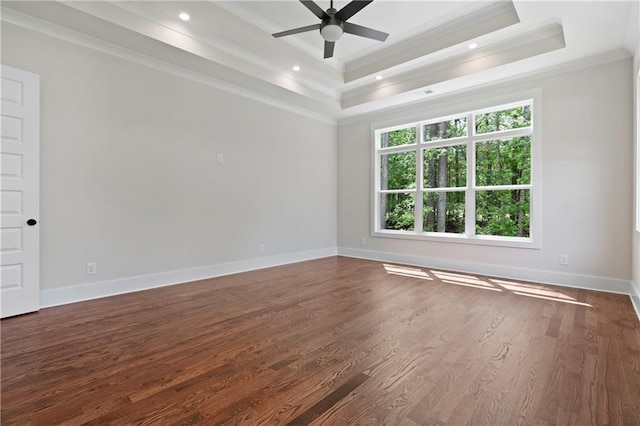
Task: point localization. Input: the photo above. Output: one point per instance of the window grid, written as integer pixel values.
(471, 188)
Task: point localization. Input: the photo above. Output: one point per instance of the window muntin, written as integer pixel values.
(471, 186)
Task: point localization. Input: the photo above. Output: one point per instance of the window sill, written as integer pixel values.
(513, 242)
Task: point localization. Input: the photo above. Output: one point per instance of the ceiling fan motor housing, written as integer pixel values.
(332, 28)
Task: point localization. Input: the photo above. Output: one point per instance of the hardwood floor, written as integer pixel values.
(331, 341)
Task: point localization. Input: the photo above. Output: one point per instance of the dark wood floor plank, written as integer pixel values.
(329, 401)
(456, 370)
(330, 341)
(512, 368)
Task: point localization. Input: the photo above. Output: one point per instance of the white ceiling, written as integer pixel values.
(228, 44)
(400, 19)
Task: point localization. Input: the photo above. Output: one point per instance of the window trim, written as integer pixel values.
(469, 110)
(637, 149)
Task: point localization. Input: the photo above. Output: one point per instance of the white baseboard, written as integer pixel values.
(610, 285)
(79, 293)
(635, 299)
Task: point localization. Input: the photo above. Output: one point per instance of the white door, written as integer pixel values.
(19, 187)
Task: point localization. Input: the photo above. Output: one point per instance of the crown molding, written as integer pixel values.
(213, 25)
(533, 43)
(492, 18)
(511, 56)
(34, 24)
(517, 82)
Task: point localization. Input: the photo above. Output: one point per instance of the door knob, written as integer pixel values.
(31, 222)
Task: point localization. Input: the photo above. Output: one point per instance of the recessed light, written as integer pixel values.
(378, 77)
(473, 45)
(184, 16)
(296, 68)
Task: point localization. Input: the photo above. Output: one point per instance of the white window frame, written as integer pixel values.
(637, 150)
(469, 237)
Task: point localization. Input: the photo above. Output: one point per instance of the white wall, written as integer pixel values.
(587, 172)
(129, 177)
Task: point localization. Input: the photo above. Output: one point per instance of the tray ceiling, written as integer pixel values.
(229, 44)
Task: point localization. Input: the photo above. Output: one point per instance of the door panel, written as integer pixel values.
(19, 191)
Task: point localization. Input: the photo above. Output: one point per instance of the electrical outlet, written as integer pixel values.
(91, 268)
(220, 158)
(261, 248)
(363, 241)
(564, 259)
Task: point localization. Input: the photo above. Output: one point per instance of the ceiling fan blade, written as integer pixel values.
(351, 9)
(297, 30)
(328, 49)
(364, 31)
(313, 7)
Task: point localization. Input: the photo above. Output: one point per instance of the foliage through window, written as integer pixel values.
(467, 175)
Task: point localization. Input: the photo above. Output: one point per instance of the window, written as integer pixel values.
(465, 177)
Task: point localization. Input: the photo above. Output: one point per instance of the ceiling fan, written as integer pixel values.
(334, 24)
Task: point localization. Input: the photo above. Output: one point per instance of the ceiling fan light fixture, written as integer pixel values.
(333, 23)
(331, 32)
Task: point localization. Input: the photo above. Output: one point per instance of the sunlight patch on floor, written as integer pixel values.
(500, 285)
(462, 279)
(530, 289)
(484, 287)
(406, 271)
(573, 302)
